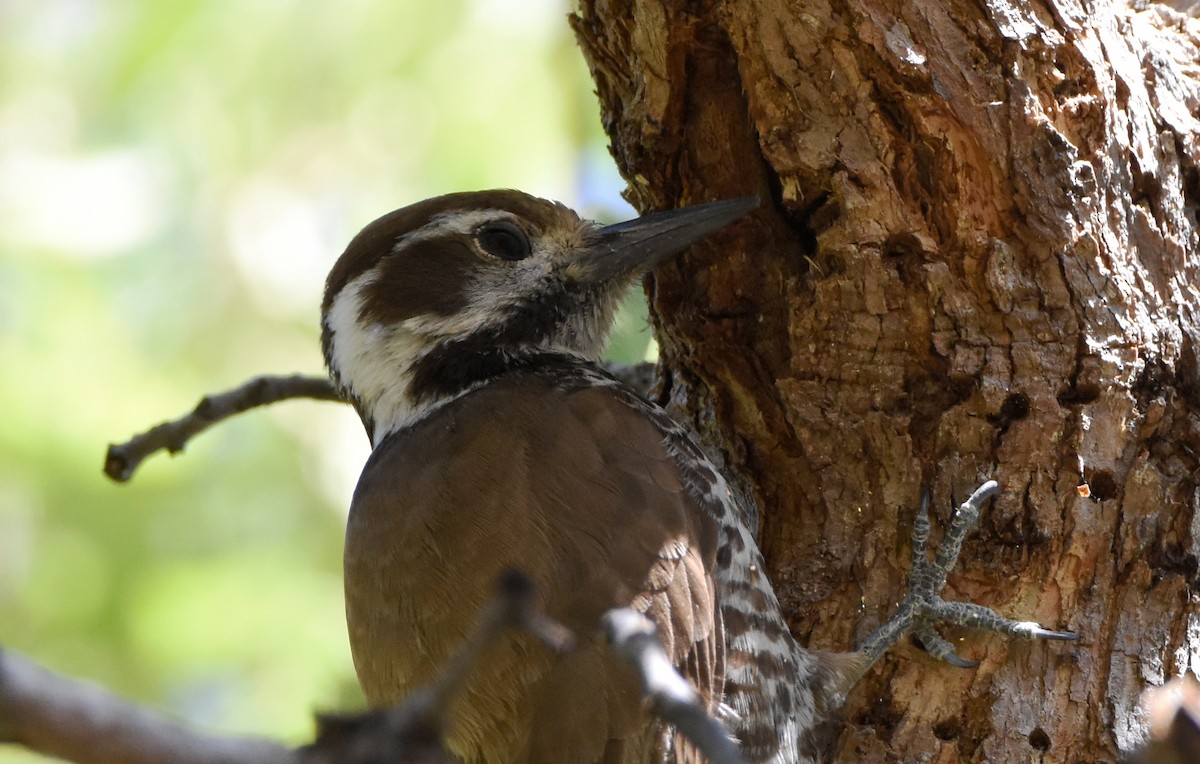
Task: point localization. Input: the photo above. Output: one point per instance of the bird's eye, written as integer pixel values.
(504, 240)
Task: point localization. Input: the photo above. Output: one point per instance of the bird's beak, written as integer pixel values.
(635, 246)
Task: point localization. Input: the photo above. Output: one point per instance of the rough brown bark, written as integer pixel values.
(977, 258)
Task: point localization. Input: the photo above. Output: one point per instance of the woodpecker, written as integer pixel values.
(466, 330)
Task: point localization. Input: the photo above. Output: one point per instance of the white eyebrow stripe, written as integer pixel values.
(457, 221)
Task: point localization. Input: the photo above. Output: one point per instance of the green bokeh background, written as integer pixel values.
(175, 180)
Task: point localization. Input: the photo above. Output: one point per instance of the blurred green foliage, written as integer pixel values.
(175, 180)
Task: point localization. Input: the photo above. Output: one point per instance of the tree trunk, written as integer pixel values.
(976, 258)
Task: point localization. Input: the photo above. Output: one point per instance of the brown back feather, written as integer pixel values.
(578, 491)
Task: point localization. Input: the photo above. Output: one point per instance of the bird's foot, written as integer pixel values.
(923, 607)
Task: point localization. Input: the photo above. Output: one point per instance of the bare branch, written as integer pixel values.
(84, 723)
(672, 698)
(122, 459)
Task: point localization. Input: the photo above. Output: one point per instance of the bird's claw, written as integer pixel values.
(923, 606)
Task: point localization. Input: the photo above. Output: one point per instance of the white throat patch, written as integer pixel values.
(374, 362)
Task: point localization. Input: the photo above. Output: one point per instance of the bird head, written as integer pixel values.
(435, 297)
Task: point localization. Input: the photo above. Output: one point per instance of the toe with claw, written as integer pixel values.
(923, 606)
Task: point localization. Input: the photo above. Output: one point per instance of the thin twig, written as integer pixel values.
(122, 459)
(672, 698)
